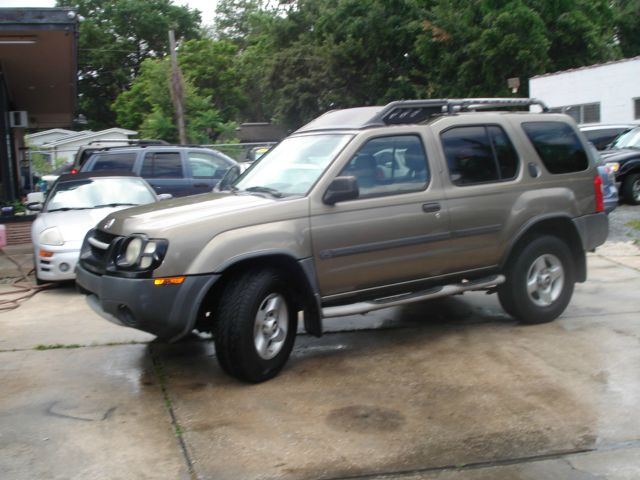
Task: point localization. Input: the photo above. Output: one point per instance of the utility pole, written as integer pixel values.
(177, 91)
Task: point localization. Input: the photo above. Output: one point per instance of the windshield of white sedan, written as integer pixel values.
(98, 193)
(293, 166)
(630, 139)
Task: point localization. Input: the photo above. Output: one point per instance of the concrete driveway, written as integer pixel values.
(440, 390)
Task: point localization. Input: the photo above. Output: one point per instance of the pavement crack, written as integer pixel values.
(177, 428)
(610, 259)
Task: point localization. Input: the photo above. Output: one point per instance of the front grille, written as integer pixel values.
(97, 250)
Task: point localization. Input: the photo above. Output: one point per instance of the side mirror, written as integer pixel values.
(231, 176)
(165, 196)
(341, 189)
(34, 206)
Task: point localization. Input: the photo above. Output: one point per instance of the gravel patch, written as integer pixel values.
(619, 231)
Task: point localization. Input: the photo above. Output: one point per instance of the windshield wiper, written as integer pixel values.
(116, 205)
(271, 191)
(66, 209)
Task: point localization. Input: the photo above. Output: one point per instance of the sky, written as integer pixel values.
(207, 7)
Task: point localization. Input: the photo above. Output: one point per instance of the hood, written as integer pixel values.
(619, 154)
(73, 224)
(213, 211)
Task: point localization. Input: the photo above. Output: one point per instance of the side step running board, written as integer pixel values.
(394, 301)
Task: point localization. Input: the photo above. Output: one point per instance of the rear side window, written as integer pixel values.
(114, 161)
(558, 146)
(479, 154)
(162, 165)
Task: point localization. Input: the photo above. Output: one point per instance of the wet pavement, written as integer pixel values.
(449, 389)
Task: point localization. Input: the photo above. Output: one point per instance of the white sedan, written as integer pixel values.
(75, 204)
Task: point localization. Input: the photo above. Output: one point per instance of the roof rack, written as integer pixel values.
(417, 111)
(409, 112)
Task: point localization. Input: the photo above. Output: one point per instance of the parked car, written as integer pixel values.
(85, 151)
(609, 187)
(501, 201)
(623, 157)
(174, 169)
(75, 204)
(601, 135)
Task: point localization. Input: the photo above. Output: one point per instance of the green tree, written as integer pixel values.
(580, 32)
(471, 49)
(627, 25)
(148, 108)
(116, 36)
(212, 67)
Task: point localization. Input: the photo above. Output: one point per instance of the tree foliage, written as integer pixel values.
(116, 36)
(290, 60)
(148, 108)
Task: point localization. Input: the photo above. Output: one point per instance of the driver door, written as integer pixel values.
(396, 230)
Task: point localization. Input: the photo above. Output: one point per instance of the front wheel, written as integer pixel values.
(255, 325)
(540, 281)
(631, 189)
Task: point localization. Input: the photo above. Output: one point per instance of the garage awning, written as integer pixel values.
(38, 62)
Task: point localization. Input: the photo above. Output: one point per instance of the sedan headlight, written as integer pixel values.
(51, 236)
(140, 253)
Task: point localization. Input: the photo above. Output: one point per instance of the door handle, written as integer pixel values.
(431, 207)
(200, 185)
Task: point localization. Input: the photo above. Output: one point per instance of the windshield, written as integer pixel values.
(294, 165)
(98, 193)
(630, 139)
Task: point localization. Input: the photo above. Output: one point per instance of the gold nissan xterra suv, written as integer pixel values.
(359, 210)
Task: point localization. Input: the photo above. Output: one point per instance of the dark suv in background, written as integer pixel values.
(174, 169)
(623, 157)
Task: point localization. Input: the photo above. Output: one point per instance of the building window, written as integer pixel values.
(636, 108)
(585, 113)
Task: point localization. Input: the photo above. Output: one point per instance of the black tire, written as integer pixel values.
(255, 325)
(540, 281)
(631, 189)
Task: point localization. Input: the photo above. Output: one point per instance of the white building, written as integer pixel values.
(604, 93)
(61, 145)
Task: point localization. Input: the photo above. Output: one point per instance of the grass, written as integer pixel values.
(635, 224)
(57, 346)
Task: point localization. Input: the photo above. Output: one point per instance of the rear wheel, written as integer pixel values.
(255, 325)
(540, 281)
(631, 189)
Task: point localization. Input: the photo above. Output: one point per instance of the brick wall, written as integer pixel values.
(18, 232)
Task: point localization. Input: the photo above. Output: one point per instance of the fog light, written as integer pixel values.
(64, 267)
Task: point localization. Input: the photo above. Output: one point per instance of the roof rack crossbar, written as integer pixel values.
(465, 104)
(417, 111)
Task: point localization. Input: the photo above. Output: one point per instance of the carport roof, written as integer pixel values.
(38, 61)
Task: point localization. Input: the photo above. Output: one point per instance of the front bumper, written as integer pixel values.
(60, 265)
(167, 311)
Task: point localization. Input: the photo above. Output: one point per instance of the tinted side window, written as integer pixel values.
(389, 165)
(207, 166)
(557, 145)
(114, 161)
(504, 151)
(162, 165)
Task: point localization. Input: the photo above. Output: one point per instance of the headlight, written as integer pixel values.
(140, 253)
(613, 166)
(131, 254)
(51, 236)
